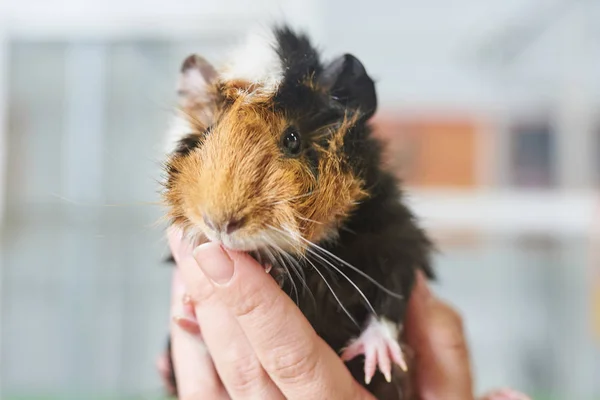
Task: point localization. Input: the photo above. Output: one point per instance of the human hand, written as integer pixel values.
(434, 331)
(250, 341)
(246, 338)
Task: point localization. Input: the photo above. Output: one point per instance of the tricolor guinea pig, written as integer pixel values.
(272, 154)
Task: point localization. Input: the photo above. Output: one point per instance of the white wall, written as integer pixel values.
(40, 18)
(431, 53)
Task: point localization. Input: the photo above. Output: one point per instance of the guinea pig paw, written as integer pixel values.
(379, 348)
(505, 394)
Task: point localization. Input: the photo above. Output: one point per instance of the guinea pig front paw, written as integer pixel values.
(380, 347)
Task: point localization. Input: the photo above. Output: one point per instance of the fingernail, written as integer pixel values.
(187, 324)
(218, 267)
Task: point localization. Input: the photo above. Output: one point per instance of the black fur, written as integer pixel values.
(382, 237)
(187, 144)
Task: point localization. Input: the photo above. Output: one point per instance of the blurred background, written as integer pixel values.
(491, 110)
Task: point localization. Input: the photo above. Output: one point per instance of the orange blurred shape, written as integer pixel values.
(430, 151)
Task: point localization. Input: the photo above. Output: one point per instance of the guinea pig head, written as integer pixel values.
(265, 167)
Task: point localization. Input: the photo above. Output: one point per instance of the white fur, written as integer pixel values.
(256, 61)
(180, 127)
(381, 328)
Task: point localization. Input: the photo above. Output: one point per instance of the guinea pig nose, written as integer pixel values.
(233, 225)
(223, 225)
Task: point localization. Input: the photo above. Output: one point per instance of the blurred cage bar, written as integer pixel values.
(500, 154)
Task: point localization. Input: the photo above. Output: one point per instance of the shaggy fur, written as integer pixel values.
(231, 165)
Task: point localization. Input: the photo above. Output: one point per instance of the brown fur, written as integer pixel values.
(240, 172)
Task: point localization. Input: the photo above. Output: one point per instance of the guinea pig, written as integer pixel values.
(272, 154)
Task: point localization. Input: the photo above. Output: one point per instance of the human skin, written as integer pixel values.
(235, 334)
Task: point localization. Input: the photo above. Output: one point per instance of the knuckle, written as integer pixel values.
(245, 376)
(295, 363)
(199, 290)
(251, 305)
(200, 294)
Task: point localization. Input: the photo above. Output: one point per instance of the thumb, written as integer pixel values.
(434, 330)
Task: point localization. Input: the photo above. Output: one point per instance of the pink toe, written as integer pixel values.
(355, 349)
(397, 356)
(385, 365)
(370, 364)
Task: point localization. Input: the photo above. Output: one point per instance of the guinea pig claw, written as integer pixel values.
(380, 351)
(268, 268)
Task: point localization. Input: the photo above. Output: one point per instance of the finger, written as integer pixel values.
(194, 371)
(300, 362)
(505, 394)
(235, 361)
(164, 369)
(434, 330)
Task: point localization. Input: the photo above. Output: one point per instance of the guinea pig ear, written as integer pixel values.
(348, 83)
(196, 76)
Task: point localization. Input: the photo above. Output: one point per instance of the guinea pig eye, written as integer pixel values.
(291, 142)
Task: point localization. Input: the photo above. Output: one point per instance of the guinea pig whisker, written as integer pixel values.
(289, 237)
(352, 267)
(293, 262)
(333, 293)
(298, 270)
(287, 268)
(287, 272)
(345, 228)
(282, 255)
(339, 271)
